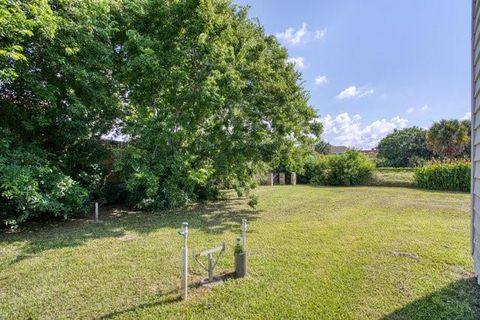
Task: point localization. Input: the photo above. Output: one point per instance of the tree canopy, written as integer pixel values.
(404, 148)
(211, 98)
(204, 95)
(449, 138)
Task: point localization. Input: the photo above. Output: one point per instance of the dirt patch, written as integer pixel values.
(410, 255)
(127, 237)
(459, 273)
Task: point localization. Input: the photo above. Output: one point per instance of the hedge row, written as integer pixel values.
(350, 168)
(451, 176)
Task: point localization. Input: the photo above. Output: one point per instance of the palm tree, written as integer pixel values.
(447, 138)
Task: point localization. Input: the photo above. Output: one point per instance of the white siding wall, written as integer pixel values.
(476, 136)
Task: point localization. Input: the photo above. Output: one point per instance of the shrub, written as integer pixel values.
(402, 148)
(114, 193)
(350, 168)
(451, 176)
(315, 166)
(31, 186)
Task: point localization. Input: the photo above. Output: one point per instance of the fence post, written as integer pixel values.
(184, 271)
(270, 179)
(210, 268)
(244, 234)
(281, 178)
(293, 179)
(96, 211)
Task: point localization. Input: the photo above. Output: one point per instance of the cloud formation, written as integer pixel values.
(319, 80)
(297, 61)
(346, 130)
(293, 36)
(423, 109)
(321, 34)
(354, 92)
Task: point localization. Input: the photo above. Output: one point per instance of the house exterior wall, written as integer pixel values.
(475, 225)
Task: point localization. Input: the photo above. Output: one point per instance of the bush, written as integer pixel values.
(114, 193)
(451, 176)
(403, 148)
(350, 168)
(31, 186)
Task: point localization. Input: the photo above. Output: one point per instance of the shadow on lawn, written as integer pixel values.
(166, 298)
(210, 217)
(163, 298)
(459, 300)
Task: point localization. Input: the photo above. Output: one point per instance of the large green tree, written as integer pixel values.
(58, 95)
(211, 99)
(205, 97)
(20, 21)
(404, 148)
(448, 139)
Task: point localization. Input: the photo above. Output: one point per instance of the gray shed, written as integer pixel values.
(475, 225)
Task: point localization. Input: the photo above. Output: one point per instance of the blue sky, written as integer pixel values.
(375, 65)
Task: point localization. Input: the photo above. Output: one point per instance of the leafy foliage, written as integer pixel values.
(448, 139)
(451, 175)
(468, 147)
(211, 100)
(204, 95)
(404, 148)
(20, 21)
(323, 147)
(349, 168)
(31, 186)
(57, 97)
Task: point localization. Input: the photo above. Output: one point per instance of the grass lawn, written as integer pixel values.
(392, 177)
(318, 253)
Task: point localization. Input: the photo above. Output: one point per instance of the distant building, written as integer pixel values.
(338, 149)
(370, 153)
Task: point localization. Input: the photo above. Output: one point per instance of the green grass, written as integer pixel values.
(317, 253)
(392, 177)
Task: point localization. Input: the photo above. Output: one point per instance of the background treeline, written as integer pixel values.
(440, 155)
(205, 98)
(411, 147)
(436, 159)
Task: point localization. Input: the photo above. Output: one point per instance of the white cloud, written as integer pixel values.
(364, 93)
(349, 131)
(467, 116)
(321, 34)
(422, 109)
(297, 61)
(292, 36)
(349, 92)
(319, 80)
(354, 92)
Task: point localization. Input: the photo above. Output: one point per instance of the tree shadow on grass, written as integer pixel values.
(214, 217)
(163, 298)
(459, 300)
